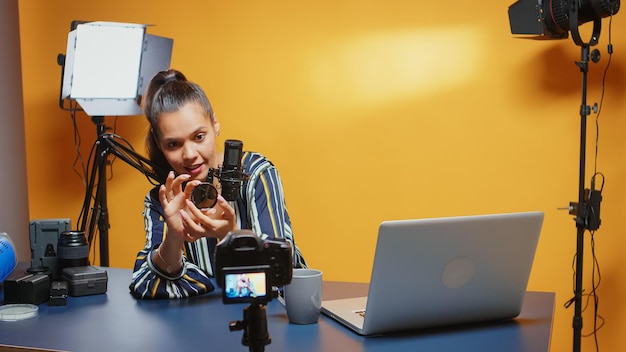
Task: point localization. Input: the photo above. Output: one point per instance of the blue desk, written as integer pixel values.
(115, 321)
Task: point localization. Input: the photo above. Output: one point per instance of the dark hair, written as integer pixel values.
(168, 91)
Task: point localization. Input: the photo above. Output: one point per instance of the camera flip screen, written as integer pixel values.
(241, 287)
(266, 264)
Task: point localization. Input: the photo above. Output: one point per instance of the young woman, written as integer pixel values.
(178, 256)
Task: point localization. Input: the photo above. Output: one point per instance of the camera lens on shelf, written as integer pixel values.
(72, 249)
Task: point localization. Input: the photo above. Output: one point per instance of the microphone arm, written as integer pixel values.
(125, 152)
(229, 176)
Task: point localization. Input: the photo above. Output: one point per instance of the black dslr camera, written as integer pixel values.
(248, 267)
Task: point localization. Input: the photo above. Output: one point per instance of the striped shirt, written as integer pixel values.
(259, 207)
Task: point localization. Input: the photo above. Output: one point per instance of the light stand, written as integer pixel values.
(587, 210)
(105, 70)
(553, 20)
(99, 213)
(580, 210)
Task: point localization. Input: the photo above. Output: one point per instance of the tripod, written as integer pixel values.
(254, 326)
(95, 210)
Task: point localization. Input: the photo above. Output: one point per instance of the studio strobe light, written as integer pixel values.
(553, 19)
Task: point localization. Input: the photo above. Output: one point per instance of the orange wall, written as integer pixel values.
(372, 110)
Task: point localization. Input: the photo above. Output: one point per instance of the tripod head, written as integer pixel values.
(254, 326)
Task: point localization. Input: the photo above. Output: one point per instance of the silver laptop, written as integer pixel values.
(444, 271)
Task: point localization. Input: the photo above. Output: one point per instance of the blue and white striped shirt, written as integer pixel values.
(259, 207)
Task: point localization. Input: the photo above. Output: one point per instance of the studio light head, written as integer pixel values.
(553, 19)
(108, 65)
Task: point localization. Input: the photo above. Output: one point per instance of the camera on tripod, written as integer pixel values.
(248, 267)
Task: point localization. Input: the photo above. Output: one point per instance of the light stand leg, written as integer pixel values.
(103, 218)
(99, 213)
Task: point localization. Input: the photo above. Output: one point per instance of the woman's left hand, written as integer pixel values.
(214, 222)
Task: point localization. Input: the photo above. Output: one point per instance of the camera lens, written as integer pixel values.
(204, 196)
(73, 249)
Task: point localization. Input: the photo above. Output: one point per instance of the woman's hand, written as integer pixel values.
(214, 222)
(174, 200)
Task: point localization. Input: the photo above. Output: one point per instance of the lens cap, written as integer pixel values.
(15, 312)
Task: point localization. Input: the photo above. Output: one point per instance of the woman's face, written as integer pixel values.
(187, 139)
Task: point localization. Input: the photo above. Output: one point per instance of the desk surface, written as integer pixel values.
(115, 321)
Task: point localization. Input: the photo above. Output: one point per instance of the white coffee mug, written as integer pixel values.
(303, 296)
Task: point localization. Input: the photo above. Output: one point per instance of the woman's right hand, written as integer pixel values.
(173, 199)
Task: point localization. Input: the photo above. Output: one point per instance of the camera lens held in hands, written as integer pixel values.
(204, 195)
(73, 249)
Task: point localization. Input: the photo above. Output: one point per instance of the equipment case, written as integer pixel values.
(85, 280)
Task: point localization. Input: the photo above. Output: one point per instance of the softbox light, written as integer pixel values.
(109, 64)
